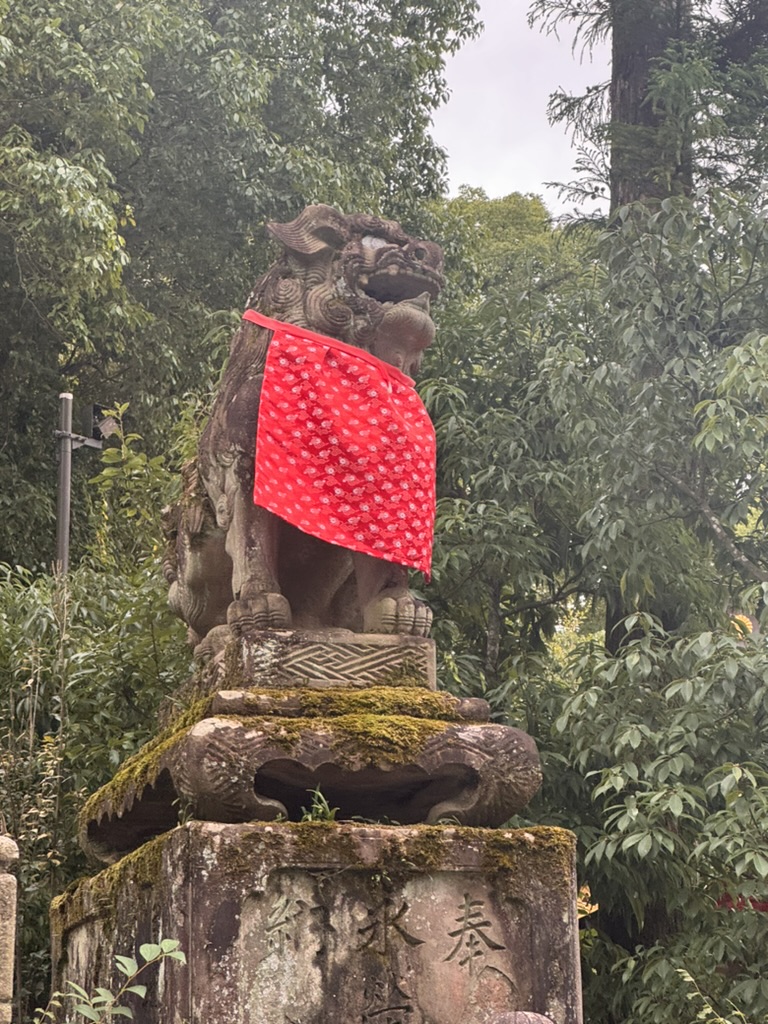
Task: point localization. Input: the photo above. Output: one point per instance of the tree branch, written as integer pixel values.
(719, 532)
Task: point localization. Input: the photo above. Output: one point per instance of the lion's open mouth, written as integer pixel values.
(398, 283)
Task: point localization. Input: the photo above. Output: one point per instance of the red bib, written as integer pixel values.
(345, 449)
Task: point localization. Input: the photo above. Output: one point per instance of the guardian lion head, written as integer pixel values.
(357, 278)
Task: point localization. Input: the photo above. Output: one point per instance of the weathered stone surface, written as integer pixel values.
(317, 660)
(393, 767)
(234, 566)
(522, 1018)
(290, 659)
(474, 774)
(315, 688)
(9, 853)
(320, 923)
(295, 704)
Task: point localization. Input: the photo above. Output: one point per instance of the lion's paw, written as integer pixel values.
(398, 613)
(213, 643)
(263, 611)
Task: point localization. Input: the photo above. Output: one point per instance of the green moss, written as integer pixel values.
(376, 700)
(99, 896)
(511, 858)
(383, 722)
(553, 847)
(233, 677)
(314, 841)
(143, 767)
(395, 738)
(398, 738)
(428, 848)
(408, 673)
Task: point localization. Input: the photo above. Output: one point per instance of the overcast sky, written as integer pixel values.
(495, 126)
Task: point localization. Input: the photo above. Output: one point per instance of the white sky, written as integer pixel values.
(495, 126)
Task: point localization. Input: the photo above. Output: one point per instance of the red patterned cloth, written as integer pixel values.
(345, 449)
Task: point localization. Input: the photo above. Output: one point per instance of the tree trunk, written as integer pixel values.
(646, 164)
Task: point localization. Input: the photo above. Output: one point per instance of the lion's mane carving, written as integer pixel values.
(233, 565)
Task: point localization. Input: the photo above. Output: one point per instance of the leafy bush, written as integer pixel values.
(84, 661)
(104, 1004)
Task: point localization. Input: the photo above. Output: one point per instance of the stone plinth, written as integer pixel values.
(9, 853)
(321, 923)
(290, 659)
(244, 748)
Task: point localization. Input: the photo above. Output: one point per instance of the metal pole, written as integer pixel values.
(65, 482)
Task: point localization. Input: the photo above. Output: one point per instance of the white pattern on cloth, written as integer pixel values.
(345, 449)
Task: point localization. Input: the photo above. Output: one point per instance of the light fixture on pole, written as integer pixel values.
(67, 444)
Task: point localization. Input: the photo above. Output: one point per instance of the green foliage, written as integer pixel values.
(602, 440)
(84, 661)
(599, 399)
(676, 424)
(622, 456)
(507, 232)
(506, 489)
(143, 146)
(670, 737)
(685, 100)
(104, 1004)
(319, 809)
(130, 491)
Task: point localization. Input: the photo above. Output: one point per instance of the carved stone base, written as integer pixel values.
(279, 659)
(336, 924)
(399, 755)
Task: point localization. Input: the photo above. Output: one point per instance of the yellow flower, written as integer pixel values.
(584, 904)
(742, 624)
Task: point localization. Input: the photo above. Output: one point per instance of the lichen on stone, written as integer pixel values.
(408, 673)
(408, 700)
(99, 894)
(553, 847)
(355, 737)
(143, 767)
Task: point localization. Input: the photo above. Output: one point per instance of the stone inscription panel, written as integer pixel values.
(353, 946)
(281, 944)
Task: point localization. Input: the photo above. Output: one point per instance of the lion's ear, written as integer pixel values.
(317, 229)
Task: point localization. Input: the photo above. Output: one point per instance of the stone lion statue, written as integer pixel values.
(232, 565)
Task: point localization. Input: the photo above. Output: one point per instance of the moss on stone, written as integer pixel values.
(398, 738)
(408, 673)
(99, 896)
(313, 841)
(425, 848)
(233, 675)
(553, 849)
(511, 858)
(143, 767)
(395, 738)
(504, 854)
(410, 700)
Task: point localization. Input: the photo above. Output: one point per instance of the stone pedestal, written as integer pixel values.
(326, 923)
(400, 911)
(279, 714)
(9, 852)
